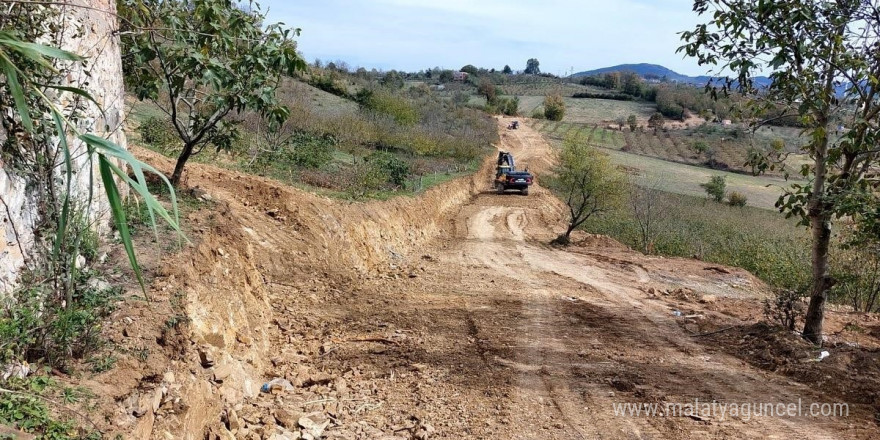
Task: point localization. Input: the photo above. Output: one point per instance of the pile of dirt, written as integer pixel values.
(849, 372)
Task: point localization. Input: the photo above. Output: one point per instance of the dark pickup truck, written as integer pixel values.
(508, 177)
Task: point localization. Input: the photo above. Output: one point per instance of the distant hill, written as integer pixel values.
(654, 71)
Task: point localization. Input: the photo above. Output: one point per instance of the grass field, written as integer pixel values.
(600, 111)
(763, 242)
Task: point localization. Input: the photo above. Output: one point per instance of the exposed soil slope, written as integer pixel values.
(441, 316)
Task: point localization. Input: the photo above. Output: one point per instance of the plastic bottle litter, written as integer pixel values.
(276, 386)
(823, 355)
(676, 313)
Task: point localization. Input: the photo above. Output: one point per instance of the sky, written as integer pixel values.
(564, 35)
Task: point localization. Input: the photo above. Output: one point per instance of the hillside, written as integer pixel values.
(655, 71)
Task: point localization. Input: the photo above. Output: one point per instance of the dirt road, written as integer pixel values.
(485, 331)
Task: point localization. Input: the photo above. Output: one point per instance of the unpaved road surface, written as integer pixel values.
(488, 332)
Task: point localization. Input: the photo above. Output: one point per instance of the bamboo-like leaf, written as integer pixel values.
(105, 147)
(36, 51)
(118, 214)
(17, 92)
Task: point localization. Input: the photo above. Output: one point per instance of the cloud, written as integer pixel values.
(563, 35)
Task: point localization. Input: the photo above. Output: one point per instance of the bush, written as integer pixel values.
(394, 106)
(610, 96)
(737, 199)
(554, 107)
(392, 169)
(34, 329)
(785, 308)
(158, 133)
(538, 114)
(308, 151)
(716, 188)
(328, 84)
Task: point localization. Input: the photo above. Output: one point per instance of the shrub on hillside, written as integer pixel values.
(308, 151)
(554, 107)
(716, 188)
(158, 133)
(396, 107)
(392, 169)
(328, 84)
(737, 199)
(785, 308)
(611, 96)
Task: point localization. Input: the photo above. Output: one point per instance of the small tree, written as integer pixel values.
(587, 182)
(200, 60)
(554, 107)
(620, 121)
(811, 49)
(716, 188)
(633, 122)
(532, 67)
(507, 70)
(648, 210)
(656, 121)
(446, 76)
(700, 148)
(487, 89)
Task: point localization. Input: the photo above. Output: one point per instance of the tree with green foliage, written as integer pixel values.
(811, 48)
(700, 148)
(587, 182)
(487, 89)
(507, 70)
(633, 122)
(716, 188)
(656, 121)
(554, 106)
(201, 60)
(446, 76)
(533, 67)
(470, 69)
(393, 80)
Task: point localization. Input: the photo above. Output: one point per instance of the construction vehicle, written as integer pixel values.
(507, 176)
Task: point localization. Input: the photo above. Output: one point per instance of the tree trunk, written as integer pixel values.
(821, 281)
(571, 227)
(181, 161)
(820, 226)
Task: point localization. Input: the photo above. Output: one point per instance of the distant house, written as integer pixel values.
(459, 76)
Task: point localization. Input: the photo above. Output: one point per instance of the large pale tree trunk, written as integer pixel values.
(821, 281)
(820, 226)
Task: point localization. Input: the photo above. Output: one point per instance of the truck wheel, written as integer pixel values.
(525, 191)
(499, 188)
